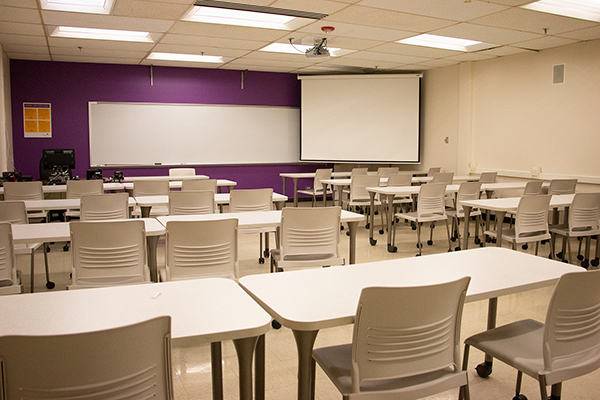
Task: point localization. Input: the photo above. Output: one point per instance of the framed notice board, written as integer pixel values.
(37, 120)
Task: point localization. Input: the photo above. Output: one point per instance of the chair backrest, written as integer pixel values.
(468, 191)
(533, 188)
(358, 185)
(199, 184)
(191, 202)
(443, 177)
(488, 177)
(392, 341)
(244, 200)
(584, 215)
(431, 200)
(571, 334)
(78, 188)
(400, 179)
(108, 253)
(132, 362)
(182, 171)
(151, 188)
(384, 172)
(13, 212)
(310, 231)
(359, 171)
(433, 170)
(23, 190)
(8, 272)
(532, 216)
(97, 207)
(196, 249)
(562, 186)
(320, 174)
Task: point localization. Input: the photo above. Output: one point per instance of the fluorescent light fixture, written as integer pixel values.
(101, 34)
(440, 42)
(85, 6)
(581, 9)
(185, 57)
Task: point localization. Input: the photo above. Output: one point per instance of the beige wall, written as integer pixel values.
(6, 153)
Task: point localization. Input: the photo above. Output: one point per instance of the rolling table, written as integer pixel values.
(309, 300)
(202, 311)
(164, 178)
(178, 184)
(305, 175)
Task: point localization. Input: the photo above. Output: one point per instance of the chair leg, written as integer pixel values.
(543, 390)
(32, 269)
(463, 393)
(518, 385)
(419, 245)
(448, 233)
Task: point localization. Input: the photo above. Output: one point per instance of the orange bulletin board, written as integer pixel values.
(37, 120)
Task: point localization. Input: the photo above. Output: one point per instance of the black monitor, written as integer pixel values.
(58, 159)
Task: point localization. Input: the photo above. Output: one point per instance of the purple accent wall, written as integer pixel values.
(68, 87)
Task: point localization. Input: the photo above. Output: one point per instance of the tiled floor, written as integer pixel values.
(191, 366)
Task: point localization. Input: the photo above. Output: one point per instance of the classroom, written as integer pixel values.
(524, 105)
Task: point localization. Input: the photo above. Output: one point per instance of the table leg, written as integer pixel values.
(352, 228)
(284, 181)
(152, 243)
(295, 192)
(390, 202)
(146, 211)
(259, 369)
(465, 245)
(245, 350)
(372, 215)
(499, 222)
(485, 368)
(279, 205)
(216, 370)
(325, 195)
(305, 341)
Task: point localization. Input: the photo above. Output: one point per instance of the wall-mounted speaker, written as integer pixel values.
(558, 74)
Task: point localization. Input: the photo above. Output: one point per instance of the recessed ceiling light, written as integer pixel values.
(442, 42)
(85, 6)
(581, 9)
(101, 34)
(185, 57)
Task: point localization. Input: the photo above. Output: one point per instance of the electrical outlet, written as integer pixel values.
(535, 172)
(472, 168)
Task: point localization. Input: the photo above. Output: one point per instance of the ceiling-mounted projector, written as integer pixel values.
(319, 50)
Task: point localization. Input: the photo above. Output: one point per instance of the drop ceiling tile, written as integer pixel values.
(28, 56)
(56, 18)
(257, 63)
(438, 63)
(486, 34)
(372, 64)
(395, 58)
(98, 60)
(262, 68)
(545, 43)
(18, 14)
(416, 51)
(89, 52)
(583, 34)
(456, 10)
(17, 28)
(209, 51)
(503, 51)
(319, 6)
(513, 3)
(22, 39)
(267, 55)
(185, 2)
(149, 9)
(358, 31)
(99, 44)
(212, 41)
(463, 56)
(19, 48)
(225, 31)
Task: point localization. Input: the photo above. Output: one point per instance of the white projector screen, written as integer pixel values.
(360, 118)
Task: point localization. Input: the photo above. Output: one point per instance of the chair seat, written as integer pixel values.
(510, 235)
(317, 192)
(412, 216)
(563, 230)
(307, 260)
(461, 214)
(84, 283)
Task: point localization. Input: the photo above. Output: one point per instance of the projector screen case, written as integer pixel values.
(360, 118)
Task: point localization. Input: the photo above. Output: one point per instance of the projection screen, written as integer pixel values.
(360, 118)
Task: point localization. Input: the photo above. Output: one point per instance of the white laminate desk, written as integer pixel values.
(178, 184)
(309, 300)
(147, 202)
(202, 311)
(164, 178)
(48, 189)
(59, 232)
(266, 219)
(300, 175)
(59, 204)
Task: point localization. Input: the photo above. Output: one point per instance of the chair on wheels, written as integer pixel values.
(199, 184)
(433, 170)
(152, 188)
(466, 191)
(584, 221)
(21, 191)
(191, 202)
(78, 188)
(132, 362)
(562, 348)
(182, 171)
(101, 207)
(10, 277)
(201, 249)
(15, 213)
(400, 352)
(358, 196)
(398, 180)
(309, 238)
(251, 200)
(108, 253)
(488, 177)
(443, 177)
(430, 209)
(558, 187)
(384, 172)
(317, 189)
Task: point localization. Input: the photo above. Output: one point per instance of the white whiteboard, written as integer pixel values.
(175, 134)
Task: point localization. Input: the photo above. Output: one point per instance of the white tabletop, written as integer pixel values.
(511, 203)
(164, 178)
(179, 184)
(220, 198)
(59, 204)
(296, 175)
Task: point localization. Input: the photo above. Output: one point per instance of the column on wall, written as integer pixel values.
(465, 118)
(6, 154)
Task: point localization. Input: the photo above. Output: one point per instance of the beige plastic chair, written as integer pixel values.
(201, 249)
(15, 213)
(488, 177)
(317, 188)
(310, 237)
(104, 206)
(396, 180)
(443, 177)
(384, 172)
(400, 352)
(358, 196)
(151, 188)
(199, 184)
(430, 209)
(466, 191)
(359, 171)
(531, 223)
(562, 186)
(10, 278)
(78, 188)
(191, 202)
(433, 170)
(108, 253)
(584, 221)
(182, 171)
(132, 362)
(565, 347)
(533, 188)
(253, 200)
(21, 191)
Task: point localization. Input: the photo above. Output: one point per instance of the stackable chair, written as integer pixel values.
(531, 223)
(558, 187)
(21, 191)
(584, 221)
(201, 249)
(443, 177)
(466, 191)
(562, 348)
(252, 200)
(199, 184)
(400, 352)
(397, 180)
(15, 213)
(384, 172)
(10, 278)
(182, 171)
(132, 362)
(358, 196)
(359, 171)
(532, 188)
(108, 253)
(101, 207)
(317, 188)
(488, 177)
(152, 188)
(433, 170)
(78, 188)
(310, 237)
(431, 208)
(191, 202)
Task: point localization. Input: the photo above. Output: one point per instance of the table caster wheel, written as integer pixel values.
(50, 285)
(381, 231)
(275, 324)
(367, 226)
(585, 264)
(453, 239)
(525, 246)
(347, 233)
(341, 227)
(457, 248)
(488, 239)
(477, 240)
(417, 255)
(520, 397)
(484, 369)
(392, 249)
(266, 253)
(595, 262)
(559, 255)
(279, 269)
(261, 260)
(430, 242)
(66, 247)
(373, 241)
(494, 240)
(419, 245)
